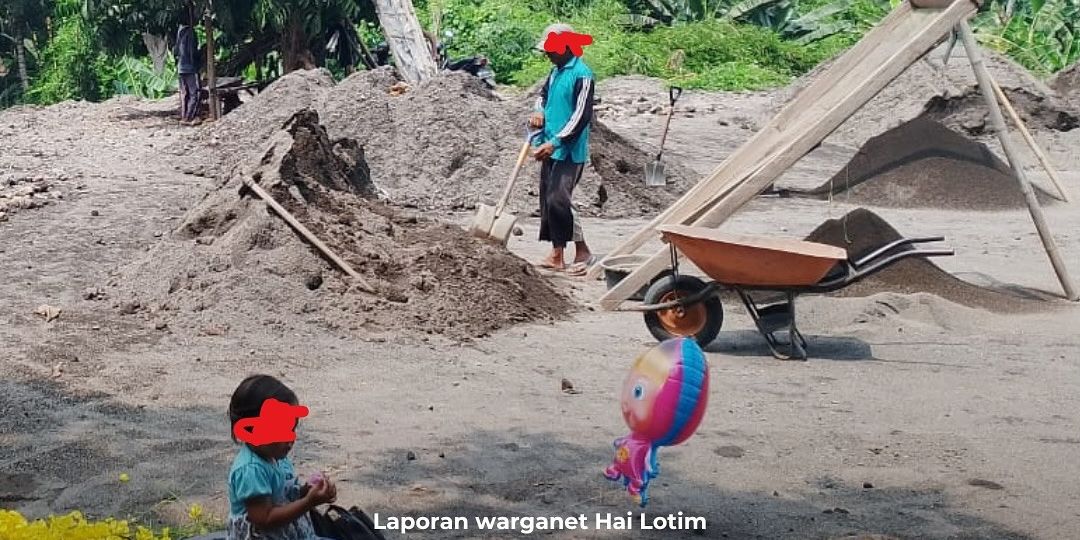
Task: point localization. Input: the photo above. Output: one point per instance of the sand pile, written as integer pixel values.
(446, 144)
(232, 258)
(861, 231)
(924, 164)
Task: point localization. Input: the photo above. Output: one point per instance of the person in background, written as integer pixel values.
(564, 110)
(187, 64)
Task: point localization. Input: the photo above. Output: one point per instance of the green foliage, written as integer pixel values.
(1042, 35)
(90, 49)
(136, 76)
(67, 64)
(715, 54)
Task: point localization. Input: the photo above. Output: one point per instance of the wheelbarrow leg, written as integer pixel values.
(797, 342)
(775, 318)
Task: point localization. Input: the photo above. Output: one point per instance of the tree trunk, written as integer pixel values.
(158, 46)
(295, 53)
(411, 49)
(211, 73)
(20, 56)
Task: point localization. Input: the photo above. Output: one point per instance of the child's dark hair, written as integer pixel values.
(248, 398)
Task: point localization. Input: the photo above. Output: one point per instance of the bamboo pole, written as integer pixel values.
(211, 75)
(1034, 146)
(986, 85)
(308, 235)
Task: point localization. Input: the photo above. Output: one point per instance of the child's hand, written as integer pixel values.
(322, 493)
(332, 487)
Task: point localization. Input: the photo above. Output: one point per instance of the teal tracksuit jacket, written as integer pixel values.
(567, 103)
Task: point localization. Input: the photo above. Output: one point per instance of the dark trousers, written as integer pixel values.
(189, 96)
(557, 220)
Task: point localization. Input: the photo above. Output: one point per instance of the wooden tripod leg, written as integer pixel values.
(987, 87)
(1035, 149)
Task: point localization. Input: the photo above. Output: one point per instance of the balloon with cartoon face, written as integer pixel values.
(663, 401)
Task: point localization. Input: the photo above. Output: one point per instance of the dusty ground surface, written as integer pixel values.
(916, 417)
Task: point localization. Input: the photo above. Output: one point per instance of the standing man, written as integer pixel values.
(187, 64)
(564, 110)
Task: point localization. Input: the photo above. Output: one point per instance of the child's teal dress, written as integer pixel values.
(252, 476)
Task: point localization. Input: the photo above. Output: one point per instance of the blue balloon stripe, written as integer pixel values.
(693, 374)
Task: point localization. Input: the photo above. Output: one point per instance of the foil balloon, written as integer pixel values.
(663, 401)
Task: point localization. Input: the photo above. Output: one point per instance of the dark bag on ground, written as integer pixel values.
(341, 524)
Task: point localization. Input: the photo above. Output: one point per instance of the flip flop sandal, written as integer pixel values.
(581, 268)
(544, 265)
(578, 270)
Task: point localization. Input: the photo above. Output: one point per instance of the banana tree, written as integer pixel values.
(1043, 35)
(22, 22)
(782, 16)
(304, 27)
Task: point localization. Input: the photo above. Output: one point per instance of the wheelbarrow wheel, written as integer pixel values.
(701, 321)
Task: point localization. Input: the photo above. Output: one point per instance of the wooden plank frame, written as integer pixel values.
(883, 54)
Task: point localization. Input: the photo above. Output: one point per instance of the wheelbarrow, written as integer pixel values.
(680, 305)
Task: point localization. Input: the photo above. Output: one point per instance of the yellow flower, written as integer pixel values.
(124, 477)
(72, 526)
(195, 512)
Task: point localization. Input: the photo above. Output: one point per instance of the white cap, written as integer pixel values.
(556, 28)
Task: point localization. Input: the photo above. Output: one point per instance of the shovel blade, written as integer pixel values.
(654, 174)
(482, 221)
(503, 228)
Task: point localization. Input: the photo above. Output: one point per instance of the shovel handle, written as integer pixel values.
(674, 93)
(513, 176)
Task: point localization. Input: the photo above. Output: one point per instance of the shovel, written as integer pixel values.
(491, 223)
(654, 172)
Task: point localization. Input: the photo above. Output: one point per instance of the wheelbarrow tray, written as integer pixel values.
(734, 259)
(675, 303)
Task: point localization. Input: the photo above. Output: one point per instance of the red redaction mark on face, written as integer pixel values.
(557, 43)
(274, 424)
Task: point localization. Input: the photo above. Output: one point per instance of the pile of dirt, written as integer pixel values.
(968, 112)
(861, 231)
(949, 91)
(233, 258)
(244, 131)
(448, 143)
(1067, 84)
(924, 164)
(21, 192)
(621, 165)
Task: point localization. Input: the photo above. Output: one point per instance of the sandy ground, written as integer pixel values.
(915, 417)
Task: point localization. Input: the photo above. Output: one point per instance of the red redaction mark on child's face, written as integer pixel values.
(557, 43)
(274, 424)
